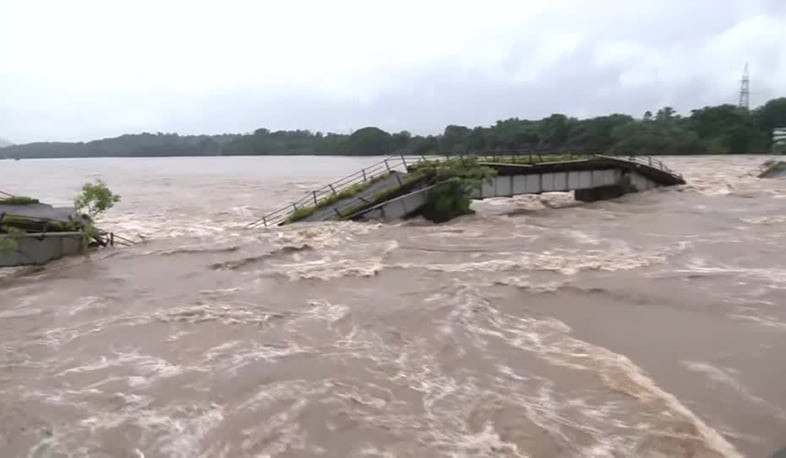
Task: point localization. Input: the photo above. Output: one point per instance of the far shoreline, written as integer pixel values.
(490, 154)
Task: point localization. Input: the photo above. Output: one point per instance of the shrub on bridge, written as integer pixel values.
(455, 181)
(447, 200)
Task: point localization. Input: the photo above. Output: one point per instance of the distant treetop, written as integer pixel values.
(712, 129)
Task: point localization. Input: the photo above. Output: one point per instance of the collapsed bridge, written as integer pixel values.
(394, 188)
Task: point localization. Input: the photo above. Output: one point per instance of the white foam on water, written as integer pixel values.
(549, 340)
(64, 397)
(220, 291)
(21, 313)
(328, 268)
(279, 433)
(365, 260)
(225, 313)
(566, 262)
(583, 237)
(724, 376)
(175, 429)
(523, 282)
(219, 351)
(271, 393)
(142, 369)
(206, 246)
(370, 450)
(45, 446)
(447, 400)
(88, 303)
(231, 357)
(101, 363)
(132, 224)
(776, 277)
(206, 229)
(363, 399)
(324, 310)
(762, 320)
(178, 431)
(280, 403)
(244, 212)
(162, 225)
(322, 235)
(487, 443)
(765, 220)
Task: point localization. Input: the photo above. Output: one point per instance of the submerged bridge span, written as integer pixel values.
(591, 178)
(597, 173)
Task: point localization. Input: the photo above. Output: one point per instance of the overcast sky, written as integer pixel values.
(78, 70)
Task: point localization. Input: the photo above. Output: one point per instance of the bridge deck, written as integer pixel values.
(651, 168)
(610, 176)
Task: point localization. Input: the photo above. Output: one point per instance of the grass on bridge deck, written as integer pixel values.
(531, 159)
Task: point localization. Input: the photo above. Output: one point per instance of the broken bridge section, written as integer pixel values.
(346, 196)
(594, 178)
(364, 194)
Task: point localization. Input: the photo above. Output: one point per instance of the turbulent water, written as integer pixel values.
(650, 325)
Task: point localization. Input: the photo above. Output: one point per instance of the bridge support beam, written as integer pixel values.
(599, 193)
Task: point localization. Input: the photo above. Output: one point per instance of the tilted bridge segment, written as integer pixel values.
(362, 196)
(591, 178)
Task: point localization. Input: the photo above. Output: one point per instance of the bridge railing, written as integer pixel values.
(533, 156)
(316, 196)
(654, 163)
(530, 157)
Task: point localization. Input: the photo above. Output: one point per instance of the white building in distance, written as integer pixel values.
(779, 140)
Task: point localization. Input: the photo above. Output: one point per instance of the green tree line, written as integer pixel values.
(722, 129)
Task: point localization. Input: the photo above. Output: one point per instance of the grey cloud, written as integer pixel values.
(670, 60)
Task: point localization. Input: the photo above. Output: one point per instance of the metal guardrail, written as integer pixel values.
(512, 156)
(651, 162)
(315, 197)
(529, 157)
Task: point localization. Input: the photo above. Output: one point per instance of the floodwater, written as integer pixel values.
(651, 325)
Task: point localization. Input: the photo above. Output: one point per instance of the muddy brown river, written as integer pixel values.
(653, 325)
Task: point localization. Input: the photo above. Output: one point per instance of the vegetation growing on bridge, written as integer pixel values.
(94, 200)
(18, 200)
(408, 184)
(350, 191)
(455, 180)
(9, 238)
(13, 227)
(447, 200)
(532, 159)
(467, 167)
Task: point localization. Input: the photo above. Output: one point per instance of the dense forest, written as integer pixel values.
(722, 129)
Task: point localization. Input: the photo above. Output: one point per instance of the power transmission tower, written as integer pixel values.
(745, 90)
